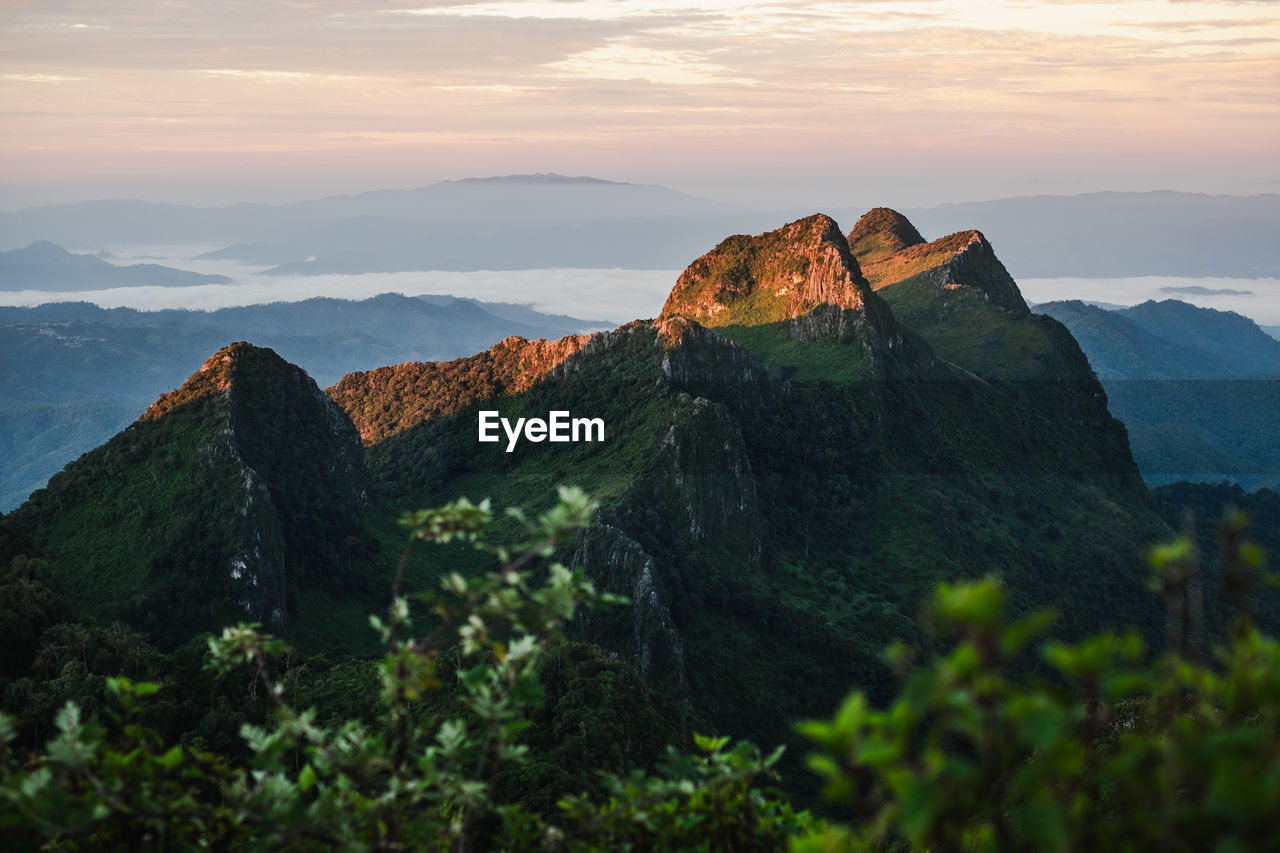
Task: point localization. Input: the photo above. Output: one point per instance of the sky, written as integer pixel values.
(899, 102)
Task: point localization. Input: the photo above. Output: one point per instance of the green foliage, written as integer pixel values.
(702, 802)
(1111, 751)
(1108, 749)
(739, 273)
(827, 359)
(426, 776)
(792, 529)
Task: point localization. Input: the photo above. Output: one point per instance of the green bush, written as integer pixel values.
(424, 778)
(1093, 746)
(1106, 750)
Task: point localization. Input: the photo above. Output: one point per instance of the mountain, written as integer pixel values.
(1232, 339)
(1121, 234)
(1199, 389)
(771, 277)
(45, 266)
(75, 374)
(547, 221)
(792, 455)
(1169, 340)
(510, 222)
(789, 463)
(235, 497)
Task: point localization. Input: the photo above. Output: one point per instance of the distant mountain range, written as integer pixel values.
(512, 222)
(46, 266)
(74, 374)
(542, 221)
(1120, 234)
(1198, 389)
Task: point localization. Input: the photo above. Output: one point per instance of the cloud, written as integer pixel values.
(39, 78)
(613, 295)
(1260, 300)
(617, 82)
(1198, 290)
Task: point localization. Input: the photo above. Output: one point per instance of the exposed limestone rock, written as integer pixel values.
(705, 472)
(770, 277)
(695, 357)
(618, 564)
(961, 260)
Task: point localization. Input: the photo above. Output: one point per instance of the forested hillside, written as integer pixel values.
(796, 454)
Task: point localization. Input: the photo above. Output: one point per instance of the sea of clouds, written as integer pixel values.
(612, 295)
(1256, 298)
(608, 295)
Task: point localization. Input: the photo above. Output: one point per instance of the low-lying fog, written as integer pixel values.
(613, 295)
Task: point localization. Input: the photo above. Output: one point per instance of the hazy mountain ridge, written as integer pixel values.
(1198, 389)
(1169, 340)
(536, 221)
(461, 224)
(46, 266)
(1120, 234)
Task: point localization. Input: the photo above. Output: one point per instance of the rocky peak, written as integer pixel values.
(881, 233)
(218, 374)
(260, 469)
(770, 277)
(961, 260)
(262, 398)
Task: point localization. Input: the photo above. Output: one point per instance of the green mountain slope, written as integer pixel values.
(780, 491)
(234, 498)
(788, 466)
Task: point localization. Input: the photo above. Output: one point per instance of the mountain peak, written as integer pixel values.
(963, 260)
(778, 275)
(536, 178)
(218, 374)
(880, 233)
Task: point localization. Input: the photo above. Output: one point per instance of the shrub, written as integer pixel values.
(423, 778)
(1107, 750)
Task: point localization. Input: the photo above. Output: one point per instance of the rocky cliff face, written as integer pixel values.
(770, 277)
(890, 251)
(695, 358)
(803, 281)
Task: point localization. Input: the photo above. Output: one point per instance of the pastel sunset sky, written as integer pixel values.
(901, 102)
